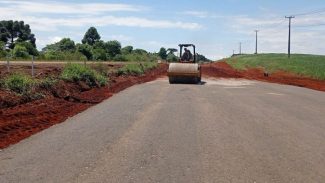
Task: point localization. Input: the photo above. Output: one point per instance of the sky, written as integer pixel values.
(216, 27)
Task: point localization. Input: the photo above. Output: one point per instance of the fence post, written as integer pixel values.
(33, 66)
(8, 66)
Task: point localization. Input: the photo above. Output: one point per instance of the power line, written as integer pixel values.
(319, 11)
(313, 25)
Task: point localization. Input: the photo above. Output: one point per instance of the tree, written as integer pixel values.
(86, 50)
(3, 52)
(127, 50)
(171, 51)
(66, 44)
(113, 48)
(12, 32)
(51, 48)
(31, 50)
(171, 57)
(162, 53)
(99, 45)
(91, 36)
(202, 58)
(20, 51)
(140, 51)
(99, 54)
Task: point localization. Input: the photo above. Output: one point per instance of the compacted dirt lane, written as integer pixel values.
(226, 130)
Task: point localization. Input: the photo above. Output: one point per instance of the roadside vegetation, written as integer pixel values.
(305, 65)
(19, 83)
(17, 42)
(78, 72)
(136, 69)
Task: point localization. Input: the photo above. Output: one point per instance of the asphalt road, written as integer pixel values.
(222, 131)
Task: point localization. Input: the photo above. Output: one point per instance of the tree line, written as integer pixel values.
(18, 42)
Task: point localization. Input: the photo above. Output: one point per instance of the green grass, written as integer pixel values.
(19, 83)
(136, 69)
(47, 82)
(78, 72)
(305, 65)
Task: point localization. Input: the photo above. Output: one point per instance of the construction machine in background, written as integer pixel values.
(186, 70)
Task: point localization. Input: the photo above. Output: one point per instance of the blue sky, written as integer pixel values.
(215, 26)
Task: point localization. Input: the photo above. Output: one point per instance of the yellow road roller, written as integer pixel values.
(186, 70)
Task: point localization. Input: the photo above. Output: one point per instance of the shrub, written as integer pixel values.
(133, 69)
(101, 68)
(19, 83)
(149, 65)
(99, 54)
(120, 57)
(172, 58)
(47, 83)
(20, 51)
(77, 72)
(136, 69)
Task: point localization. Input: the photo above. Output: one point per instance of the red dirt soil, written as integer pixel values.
(222, 69)
(22, 121)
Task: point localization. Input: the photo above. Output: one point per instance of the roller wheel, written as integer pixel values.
(171, 80)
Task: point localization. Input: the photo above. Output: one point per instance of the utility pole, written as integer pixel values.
(289, 41)
(256, 31)
(239, 48)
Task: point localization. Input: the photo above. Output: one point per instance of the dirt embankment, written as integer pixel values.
(222, 69)
(67, 99)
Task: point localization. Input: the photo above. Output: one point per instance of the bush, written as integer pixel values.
(133, 69)
(136, 57)
(149, 65)
(136, 69)
(101, 68)
(47, 83)
(120, 57)
(77, 72)
(31, 50)
(58, 55)
(99, 54)
(172, 58)
(19, 83)
(20, 52)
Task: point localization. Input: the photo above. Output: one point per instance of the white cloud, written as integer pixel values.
(42, 42)
(200, 14)
(84, 15)
(50, 7)
(52, 24)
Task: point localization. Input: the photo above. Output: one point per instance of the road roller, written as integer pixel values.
(186, 70)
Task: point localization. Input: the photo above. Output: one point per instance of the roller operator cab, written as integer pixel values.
(186, 70)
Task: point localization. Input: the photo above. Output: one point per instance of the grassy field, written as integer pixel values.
(305, 65)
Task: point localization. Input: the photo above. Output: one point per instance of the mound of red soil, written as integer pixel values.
(22, 121)
(223, 70)
(220, 69)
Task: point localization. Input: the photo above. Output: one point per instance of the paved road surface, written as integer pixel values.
(222, 131)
